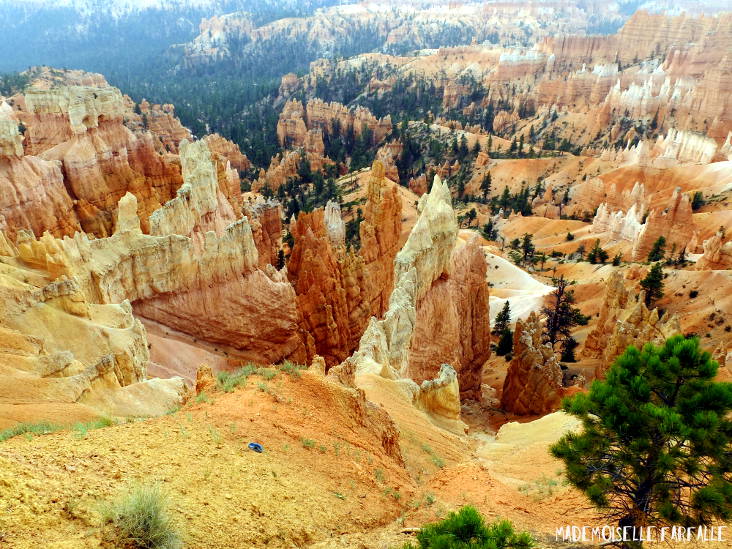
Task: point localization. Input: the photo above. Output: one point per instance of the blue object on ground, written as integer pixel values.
(256, 447)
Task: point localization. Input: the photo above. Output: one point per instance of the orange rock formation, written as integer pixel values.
(533, 383)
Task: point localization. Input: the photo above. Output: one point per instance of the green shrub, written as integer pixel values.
(83, 428)
(140, 520)
(228, 381)
(42, 428)
(466, 529)
(267, 373)
(291, 368)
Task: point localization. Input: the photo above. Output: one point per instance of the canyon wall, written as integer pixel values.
(339, 290)
(438, 310)
(625, 320)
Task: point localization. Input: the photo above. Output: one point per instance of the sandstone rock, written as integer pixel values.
(317, 277)
(299, 126)
(533, 383)
(441, 396)
(11, 142)
(33, 197)
(423, 292)
(196, 273)
(338, 291)
(265, 219)
(318, 365)
(61, 354)
(418, 185)
(161, 121)
(205, 380)
(676, 224)
(717, 253)
(288, 84)
(229, 150)
(625, 320)
(82, 130)
(462, 334)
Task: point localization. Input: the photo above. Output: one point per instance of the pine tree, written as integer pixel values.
(505, 343)
(489, 231)
(505, 201)
(503, 319)
(597, 254)
(463, 149)
(656, 439)
(485, 185)
(658, 251)
(568, 347)
(580, 251)
(653, 284)
(697, 201)
(527, 249)
(560, 315)
(502, 327)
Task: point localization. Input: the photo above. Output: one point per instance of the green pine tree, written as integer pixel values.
(561, 315)
(502, 328)
(656, 439)
(503, 319)
(658, 251)
(597, 254)
(653, 284)
(485, 185)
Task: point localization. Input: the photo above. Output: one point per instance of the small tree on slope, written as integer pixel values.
(657, 439)
(502, 328)
(653, 284)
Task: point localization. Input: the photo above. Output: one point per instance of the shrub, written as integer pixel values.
(291, 368)
(466, 529)
(83, 428)
(42, 428)
(267, 373)
(140, 520)
(693, 294)
(202, 397)
(228, 381)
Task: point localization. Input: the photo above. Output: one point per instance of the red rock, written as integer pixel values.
(533, 383)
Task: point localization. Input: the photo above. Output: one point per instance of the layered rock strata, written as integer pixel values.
(433, 313)
(339, 290)
(625, 320)
(533, 383)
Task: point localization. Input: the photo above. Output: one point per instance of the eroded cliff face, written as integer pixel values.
(300, 126)
(451, 322)
(197, 271)
(161, 121)
(625, 320)
(77, 144)
(339, 290)
(66, 355)
(675, 224)
(533, 383)
(437, 311)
